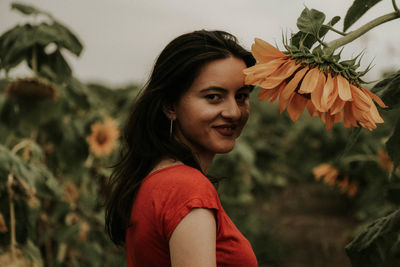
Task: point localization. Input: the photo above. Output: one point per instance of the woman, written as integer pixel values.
(161, 204)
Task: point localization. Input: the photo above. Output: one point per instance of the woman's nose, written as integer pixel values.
(231, 110)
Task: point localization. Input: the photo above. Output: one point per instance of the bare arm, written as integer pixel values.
(193, 241)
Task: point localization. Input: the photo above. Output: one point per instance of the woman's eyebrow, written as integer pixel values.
(246, 87)
(224, 90)
(214, 88)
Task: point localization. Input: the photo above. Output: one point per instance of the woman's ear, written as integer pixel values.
(169, 111)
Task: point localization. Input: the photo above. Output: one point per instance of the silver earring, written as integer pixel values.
(170, 128)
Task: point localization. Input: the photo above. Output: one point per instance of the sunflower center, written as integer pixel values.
(101, 137)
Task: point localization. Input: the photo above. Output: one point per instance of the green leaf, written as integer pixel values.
(53, 66)
(389, 90)
(26, 9)
(18, 43)
(371, 247)
(12, 50)
(310, 21)
(68, 40)
(309, 40)
(355, 12)
(393, 146)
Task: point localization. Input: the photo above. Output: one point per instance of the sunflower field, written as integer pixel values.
(313, 188)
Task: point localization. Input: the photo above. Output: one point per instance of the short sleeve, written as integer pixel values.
(178, 192)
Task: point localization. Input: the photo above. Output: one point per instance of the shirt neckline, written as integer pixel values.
(164, 168)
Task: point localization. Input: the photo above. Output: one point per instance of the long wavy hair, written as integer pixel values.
(146, 137)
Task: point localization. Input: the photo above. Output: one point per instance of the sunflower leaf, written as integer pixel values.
(27, 9)
(389, 90)
(308, 40)
(311, 21)
(371, 247)
(355, 12)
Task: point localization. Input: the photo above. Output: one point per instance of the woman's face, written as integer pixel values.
(212, 113)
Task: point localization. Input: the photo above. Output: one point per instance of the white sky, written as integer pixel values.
(122, 38)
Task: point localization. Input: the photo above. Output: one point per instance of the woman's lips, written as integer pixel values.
(226, 130)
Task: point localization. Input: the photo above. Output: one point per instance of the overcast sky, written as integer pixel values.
(122, 38)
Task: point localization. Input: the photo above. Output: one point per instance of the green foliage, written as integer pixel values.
(28, 43)
(371, 247)
(46, 169)
(310, 21)
(359, 8)
(27, 9)
(388, 90)
(307, 39)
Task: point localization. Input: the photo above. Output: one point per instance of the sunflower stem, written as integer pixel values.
(34, 61)
(321, 42)
(335, 30)
(396, 8)
(351, 36)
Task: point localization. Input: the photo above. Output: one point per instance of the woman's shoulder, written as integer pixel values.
(180, 181)
(176, 175)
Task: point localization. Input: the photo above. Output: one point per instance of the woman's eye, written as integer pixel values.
(213, 97)
(242, 97)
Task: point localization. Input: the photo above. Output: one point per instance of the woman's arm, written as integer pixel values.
(192, 243)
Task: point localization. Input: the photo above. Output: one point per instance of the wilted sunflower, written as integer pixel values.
(103, 139)
(302, 80)
(333, 177)
(32, 88)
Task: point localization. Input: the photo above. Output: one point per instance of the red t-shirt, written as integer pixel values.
(164, 198)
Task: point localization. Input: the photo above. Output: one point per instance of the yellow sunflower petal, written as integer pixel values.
(361, 100)
(329, 119)
(259, 72)
(343, 87)
(375, 114)
(316, 95)
(283, 102)
(310, 81)
(375, 98)
(337, 106)
(265, 94)
(329, 93)
(296, 106)
(321, 170)
(277, 91)
(283, 72)
(294, 82)
(311, 109)
(264, 52)
(348, 116)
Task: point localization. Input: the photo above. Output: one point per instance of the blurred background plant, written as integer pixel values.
(59, 136)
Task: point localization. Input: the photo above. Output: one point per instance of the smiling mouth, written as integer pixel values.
(226, 130)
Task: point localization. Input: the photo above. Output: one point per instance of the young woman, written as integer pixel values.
(161, 204)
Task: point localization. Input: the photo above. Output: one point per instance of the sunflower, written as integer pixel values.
(31, 88)
(301, 81)
(333, 177)
(103, 139)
